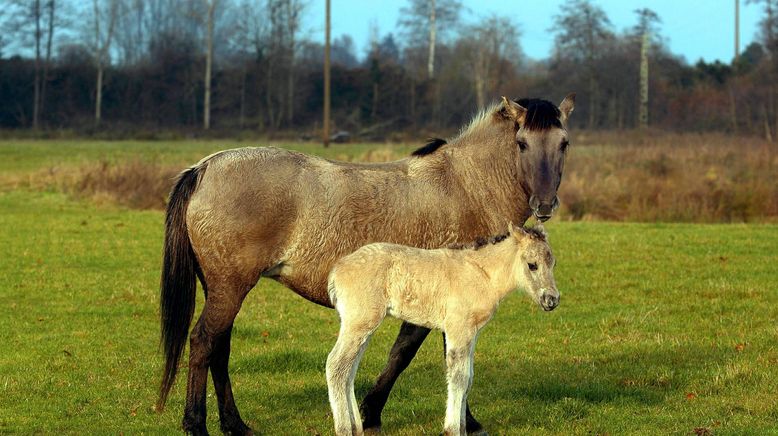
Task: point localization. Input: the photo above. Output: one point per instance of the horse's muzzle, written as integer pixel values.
(543, 210)
(549, 302)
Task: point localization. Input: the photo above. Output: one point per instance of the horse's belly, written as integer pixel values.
(311, 286)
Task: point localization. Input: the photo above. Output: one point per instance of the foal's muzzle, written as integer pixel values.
(549, 302)
(543, 209)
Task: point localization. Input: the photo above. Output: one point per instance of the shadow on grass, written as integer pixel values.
(553, 392)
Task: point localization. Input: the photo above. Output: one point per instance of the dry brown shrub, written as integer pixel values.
(136, 184)
(628, 176)
(670, 177)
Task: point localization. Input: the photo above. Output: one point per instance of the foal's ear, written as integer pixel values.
(515, 231)
(514, 110)
(567, 106)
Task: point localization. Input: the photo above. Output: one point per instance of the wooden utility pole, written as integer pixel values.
(326, 126)
(643, 113)
(737, 30)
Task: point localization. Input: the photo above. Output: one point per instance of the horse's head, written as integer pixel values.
(535, 266)
(542, 140)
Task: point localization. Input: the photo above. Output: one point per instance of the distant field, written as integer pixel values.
(662, 328)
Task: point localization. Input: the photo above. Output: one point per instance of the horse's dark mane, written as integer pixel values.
(431, 147)
(479, 243)
(541, 114)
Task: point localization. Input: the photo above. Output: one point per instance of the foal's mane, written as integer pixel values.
(533, 232)
(479, 243)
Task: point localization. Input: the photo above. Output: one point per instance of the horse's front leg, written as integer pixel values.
(471, 424)
(404, 349)
(459, 376)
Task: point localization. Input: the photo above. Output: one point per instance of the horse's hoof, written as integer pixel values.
(376, 430)
(478, 432)
(239, 429)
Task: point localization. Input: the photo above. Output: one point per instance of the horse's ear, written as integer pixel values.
(514, 110)
(567, 106)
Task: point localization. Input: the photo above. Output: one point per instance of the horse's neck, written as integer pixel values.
(486, 166)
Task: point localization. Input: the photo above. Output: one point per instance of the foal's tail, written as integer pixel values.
(178, 285)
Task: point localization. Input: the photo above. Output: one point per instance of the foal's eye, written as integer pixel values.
(523, 145)
(532, 266)
(564, 145)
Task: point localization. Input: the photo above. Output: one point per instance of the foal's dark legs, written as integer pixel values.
(404, 349)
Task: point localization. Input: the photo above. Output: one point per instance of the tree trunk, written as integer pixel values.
(51, 5)
(326, 122)
(99, 93)
(643, 113)
(36, 98)
(208, 64)
(433, 34)
(242, 118)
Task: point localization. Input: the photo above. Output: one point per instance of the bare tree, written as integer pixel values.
(492, 45)
(646, 27)
(104, 17)
(582, 29)
(769, 36)
(209, 22)
(425, 21)
(34, 22)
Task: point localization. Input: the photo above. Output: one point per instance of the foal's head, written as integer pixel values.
(535, 266)
(542, 140)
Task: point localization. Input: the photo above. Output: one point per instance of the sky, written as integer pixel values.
(694, 29)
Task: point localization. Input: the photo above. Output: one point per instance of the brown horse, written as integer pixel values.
(242, 214)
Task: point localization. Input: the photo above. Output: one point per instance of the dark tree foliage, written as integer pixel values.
(154, 79)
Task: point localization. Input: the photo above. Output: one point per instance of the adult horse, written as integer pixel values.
(242, 214)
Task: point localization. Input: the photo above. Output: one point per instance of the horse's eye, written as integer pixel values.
(532, 266)
(523, 146)
(564, 145)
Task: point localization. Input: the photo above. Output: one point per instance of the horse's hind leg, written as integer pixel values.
(404, 349)
(207, 343)
(229, 417)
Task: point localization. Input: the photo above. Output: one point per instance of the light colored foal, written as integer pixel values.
(455, 290)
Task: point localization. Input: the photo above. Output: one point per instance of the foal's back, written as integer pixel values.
(412, 284)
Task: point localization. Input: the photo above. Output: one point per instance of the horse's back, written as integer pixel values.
(270, 209)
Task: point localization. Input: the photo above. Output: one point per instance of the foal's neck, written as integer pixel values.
(498, 261)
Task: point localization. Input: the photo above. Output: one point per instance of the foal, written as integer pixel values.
(456, 290)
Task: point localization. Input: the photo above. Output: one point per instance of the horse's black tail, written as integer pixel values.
(178, 284)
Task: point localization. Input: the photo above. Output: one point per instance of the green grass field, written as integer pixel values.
(662, 328)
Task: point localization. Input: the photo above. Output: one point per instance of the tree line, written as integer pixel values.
(251, 65)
